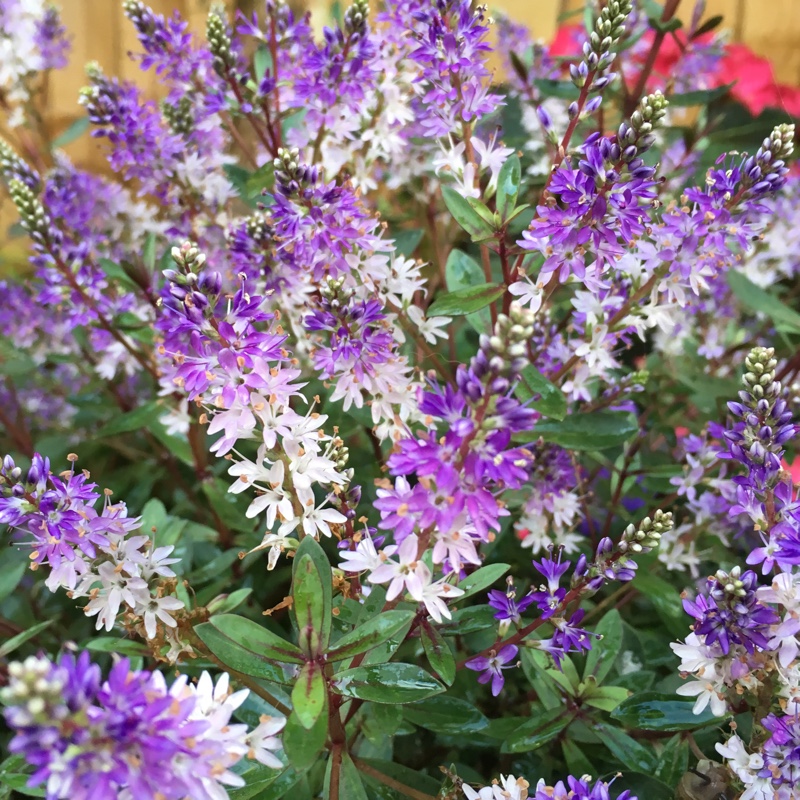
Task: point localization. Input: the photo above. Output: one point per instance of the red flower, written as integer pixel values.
(568, 42)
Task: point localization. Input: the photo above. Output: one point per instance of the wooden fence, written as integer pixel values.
(101, 33)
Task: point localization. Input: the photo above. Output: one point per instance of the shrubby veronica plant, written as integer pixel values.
(373, 412)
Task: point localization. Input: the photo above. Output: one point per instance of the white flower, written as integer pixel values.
(530, 294)
(318, 520)
(708, 692)
(408, 573)
(263, 741)
(365, 557)
(428, 327)
(158, 608)
(744, 764)
(433, 595)
(507, 788)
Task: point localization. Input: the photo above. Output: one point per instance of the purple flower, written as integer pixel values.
(730, 612)
(491, 667)
(506, 605)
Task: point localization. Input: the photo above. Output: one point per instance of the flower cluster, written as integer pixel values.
(93, 554)
(511, 788)
(130, 736)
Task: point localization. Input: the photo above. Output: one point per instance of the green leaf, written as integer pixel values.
(552, 402)
(665, 599)
(533, 665)
(134, 420)
(652, 711)
(468, 620)
(407, 241)
(450, 716)
(417, 780)
(149, 253)
(302, 745)
(629, 752)
(466, 301)
(116, 273)
(508, 182)
(439, 654)
(537, 731)
(248, 648)
(350, 785)
(564, 90)
(481, 578)
(273, 786)
(757, 299)
(387, 683)
(14, 565)
(262, 61)
(597, 430)
(606, 698)
(466, 216)
(110, 644)
(10, 645)
(461, 272)
(372, 633)
(226, 603)
(708, 26)
(601, 658)
(311, 596)
(310, 695)
(701, 97)
(577, 763)
(673, 761)
(75, 130)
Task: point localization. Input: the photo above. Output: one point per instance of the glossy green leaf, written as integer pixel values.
(225, 603)
(116, 272)
(508, 182)
(439, 654)
(465, 301)
(111, 644)
(627, 750)
(537, 731)
(15, 563)
(665, 599)
(372, 633)
(266, 784)
(601, 658)
(10, 645)
(302, 745)
(481, 579)
(543, 395)
(465, 215)
(249, 650)
(652, 711)
(350, 785)
(135, 420)
(461, 272)
(577, 762)
(450, 716)
(597, 430)
(534, 666)
(673, 761)
(606, 698)
(468, 620)
(387, 683)
(310, 694)
(311, 596)
(757, 299)
(407, 241)
(405, 775)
